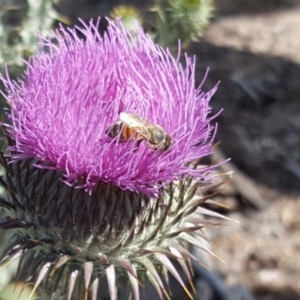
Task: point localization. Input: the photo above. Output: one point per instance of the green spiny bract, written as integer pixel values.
(19, 25)
(68, 241)
(181, 19)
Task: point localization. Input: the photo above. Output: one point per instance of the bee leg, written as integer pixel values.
(137, 144)
(151, 145)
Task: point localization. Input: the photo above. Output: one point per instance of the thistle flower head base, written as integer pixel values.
(65, 234)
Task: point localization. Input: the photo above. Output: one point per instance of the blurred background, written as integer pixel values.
(253, 48)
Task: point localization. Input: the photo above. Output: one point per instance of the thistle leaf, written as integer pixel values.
(167, 263)
(71, 283)
(111, 279)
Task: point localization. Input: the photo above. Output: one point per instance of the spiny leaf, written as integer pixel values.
(41, 276)
(71, 283)
(111, 279)
(126, 263)
(184, 267)
(163, 251)
(62, 260)
(167, 263)
(12, 258)
(186, 254)
(155, 285)
(208, 212)
(154, 275)
(195, 242)
(94, 289)
(88, 269)
(182, 229)
(134, 284)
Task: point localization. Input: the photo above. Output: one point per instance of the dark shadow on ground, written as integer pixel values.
(283, 294)
(260, 125)
(241, 7)
(92, 8)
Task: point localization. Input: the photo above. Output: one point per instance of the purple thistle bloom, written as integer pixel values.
(70, 95)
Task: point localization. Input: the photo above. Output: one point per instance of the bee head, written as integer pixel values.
(162, 141)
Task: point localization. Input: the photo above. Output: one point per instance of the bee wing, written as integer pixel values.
(137, 124)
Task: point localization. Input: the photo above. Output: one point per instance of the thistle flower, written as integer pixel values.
(81, 204)
(61, 112)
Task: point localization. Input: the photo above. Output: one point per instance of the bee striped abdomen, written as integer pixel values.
(124, 131)
(129, 134)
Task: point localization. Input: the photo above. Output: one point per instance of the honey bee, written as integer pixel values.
(133, 127)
